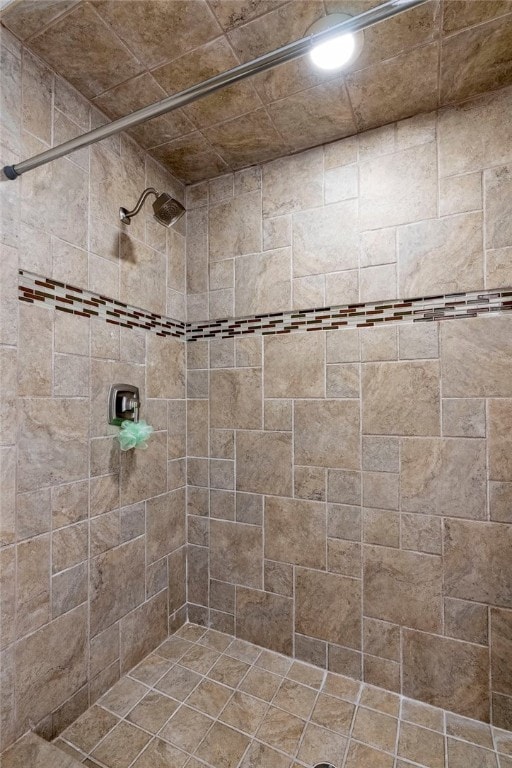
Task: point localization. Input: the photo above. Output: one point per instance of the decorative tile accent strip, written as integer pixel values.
(77, 301)
(371, 314)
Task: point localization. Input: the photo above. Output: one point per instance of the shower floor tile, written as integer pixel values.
(206, 700)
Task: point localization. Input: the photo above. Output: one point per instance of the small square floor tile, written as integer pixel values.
(151, 669)
(153, 711)
(186, 728)
(333, 714)
(421, 745)
(223, 747)
(342, 687)
(90, 728)
(383, 701)
(209, 697)
(121, 746)
(261, 683)
(179, 682)
(160, 754)
(229, 671)
(244, 712)
(321, 746)
(281, 730)
(305, 674)
(295, 698)
(359, 755)
(376, 729)
(464, 755)
(123, 696)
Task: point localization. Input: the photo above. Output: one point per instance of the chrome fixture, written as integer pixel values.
(213, 84)
(166, 209)
(123, 404)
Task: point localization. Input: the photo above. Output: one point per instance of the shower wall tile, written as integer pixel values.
(77, 519)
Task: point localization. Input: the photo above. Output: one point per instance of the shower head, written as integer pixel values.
(166, 209)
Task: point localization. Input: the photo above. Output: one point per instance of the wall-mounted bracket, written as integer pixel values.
(123, 404)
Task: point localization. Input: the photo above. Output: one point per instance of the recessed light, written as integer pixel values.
(338, 51)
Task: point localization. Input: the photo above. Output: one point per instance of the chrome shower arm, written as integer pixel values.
(126, 216)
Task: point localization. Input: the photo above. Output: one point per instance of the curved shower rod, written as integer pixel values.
(270, 60)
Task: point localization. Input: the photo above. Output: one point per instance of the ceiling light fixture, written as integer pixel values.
(340, 50)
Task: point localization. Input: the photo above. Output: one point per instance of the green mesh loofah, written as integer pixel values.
(134, 434)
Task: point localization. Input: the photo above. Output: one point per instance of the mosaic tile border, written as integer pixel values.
(78, 301)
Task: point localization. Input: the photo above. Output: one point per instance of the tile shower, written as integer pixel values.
(340, 496)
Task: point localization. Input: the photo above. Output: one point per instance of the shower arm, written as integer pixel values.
(126, 216)
(263, 63)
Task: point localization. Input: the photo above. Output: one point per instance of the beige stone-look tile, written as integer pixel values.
(502, 741)
(380, 489)
(223, 747)
(259, 754)
(401, 398)
(69, 589)
(460, 753)
(375, 728)
(432, 260)
(341, 183)
(381, 527)
(265, 619)
(69, 546)
(342, 287)
(228, 671)
(123, 696)
(403, 587)
(477, 358)
(279, 578)
(480, 73)
(501, 645)
(385, 200)
(344, 522)
(311, 650)
(35, 354)
(159, 754)
(421, 533)
(469, 730)
(377, 283)
(61, 644)
(142, 630)
(333, 714)
(464, 417)
(250, 138)
(122, 745)
(70, 503)
(51, 449)
(262, 282)
(264, 462)
(244, 712)
(165, 524)
(378, 247)
(381, 672)
(381, 638)
(446, 673)
(209, 697)
(277, 232)
(461, 149)
(318, 741)
(502, 712)
(379, 95)
(465, 620)
(236, 553)
(326, 239)
(380, 700)
(308, 292)
(332, 596)
(294, 366)
(33, 584)
(500, 423)
(497, 267)
(295, 698)
(458, 194)
(186, 728)
(281, 730)
(484, 578)
(178, 683)
(379, 344)
(278, 415)
(421, 745)
(309, 483)
(342, 380)
(325, 433)
(362, 754)
(295, 532)
(117, 583)
(422, 714)
(326, 108)
(235, 399)
(418, 341)
(380, 454)
(90, 728)
(344, 557)
(261, 683)
(225, 242)
(293, 183)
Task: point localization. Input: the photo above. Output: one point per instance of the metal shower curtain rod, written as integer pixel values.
(268, 61)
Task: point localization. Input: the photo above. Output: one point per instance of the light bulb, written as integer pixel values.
(335, 53)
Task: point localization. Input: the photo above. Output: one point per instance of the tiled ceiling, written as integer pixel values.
(125, 54)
